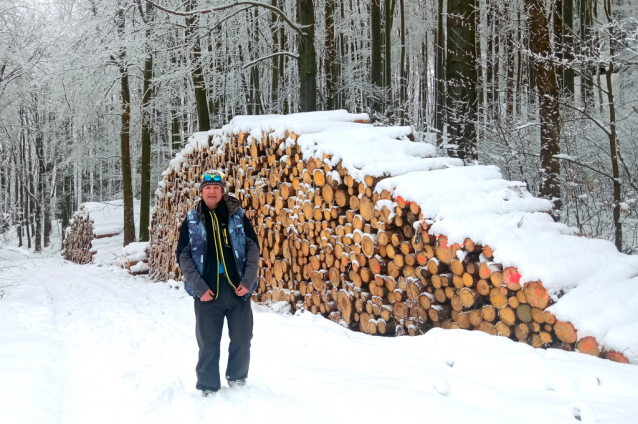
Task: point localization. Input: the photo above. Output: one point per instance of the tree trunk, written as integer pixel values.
(19, 194)
(403, 93)
(376, 74)
(558, 40)
(145, 186)
(307, 57)
(461, 78)
(330, 68)
(489, 61)
(568, 44)
(203, 117)
(46, 199)
(613, 137)
(510, 55)
(39, 151)
(387, 60)
(274, 85)
(439, 51)
(586, 78)
(127, 183)
(548, 93)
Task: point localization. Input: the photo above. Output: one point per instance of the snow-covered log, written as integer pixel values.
(366, 227)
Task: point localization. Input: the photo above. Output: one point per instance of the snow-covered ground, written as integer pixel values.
(91, 344)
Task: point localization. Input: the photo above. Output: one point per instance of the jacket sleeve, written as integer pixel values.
(249, 230)
(184, 239)
(252, 265)
(195, 281)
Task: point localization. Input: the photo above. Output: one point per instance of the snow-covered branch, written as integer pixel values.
(261, 59)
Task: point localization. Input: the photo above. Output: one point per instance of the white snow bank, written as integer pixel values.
(363, 148)
(463, 191)
(300, 123)
(136, 251)
(375, 151)
(140, 267)
(476, 202)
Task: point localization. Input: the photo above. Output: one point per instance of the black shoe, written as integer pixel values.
(237, 383)
(209, 392)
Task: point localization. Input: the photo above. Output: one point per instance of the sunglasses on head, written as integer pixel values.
(209, 177)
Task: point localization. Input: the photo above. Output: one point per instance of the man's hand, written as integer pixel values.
(209, 295)
(241, 290)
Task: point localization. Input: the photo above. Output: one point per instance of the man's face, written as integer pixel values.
(212, 194)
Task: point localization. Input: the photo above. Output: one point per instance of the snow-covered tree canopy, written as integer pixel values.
(544, 89)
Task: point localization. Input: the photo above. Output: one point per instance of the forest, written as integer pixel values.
(97, 96)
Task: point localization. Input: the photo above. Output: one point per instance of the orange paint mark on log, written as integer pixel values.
(515, 277)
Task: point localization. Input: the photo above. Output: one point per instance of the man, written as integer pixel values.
(218, 254)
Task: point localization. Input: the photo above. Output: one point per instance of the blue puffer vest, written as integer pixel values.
(198, 239)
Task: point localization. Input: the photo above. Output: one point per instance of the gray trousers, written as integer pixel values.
(209, 318)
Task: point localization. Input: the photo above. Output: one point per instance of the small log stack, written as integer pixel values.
(78, 237)
(77, 240)
(134, 258)
(335, 246)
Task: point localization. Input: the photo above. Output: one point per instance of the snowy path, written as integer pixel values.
(86, 344)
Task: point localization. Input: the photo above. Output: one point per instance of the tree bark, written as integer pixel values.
(613, 136)
(46, 199)
(307, 62)
(548, 92)
(558, 40)
(203, 117)
(274, 85)
(403, 92)
(145, 186)
(586, 78)
(330, 68)
(568, 44)
(461, 78)
(127, 183)
(439, 76)
(376, 59)
(388, 9)
(39, 151)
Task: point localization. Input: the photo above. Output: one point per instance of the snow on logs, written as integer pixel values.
(371, 230)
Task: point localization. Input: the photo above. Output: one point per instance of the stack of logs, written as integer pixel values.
(333, 246)
(134, 259)
(78, 238)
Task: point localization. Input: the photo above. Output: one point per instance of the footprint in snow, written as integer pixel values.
(583, 412)
(441, 386)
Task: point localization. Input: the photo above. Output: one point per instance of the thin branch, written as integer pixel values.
(229, 6)
(261, 59)
(576, 163)
(190, 43)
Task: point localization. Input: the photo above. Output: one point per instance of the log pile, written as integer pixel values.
(77, 240)
(95, 235)
(134, 258)
(334, 245)
(79, 235)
